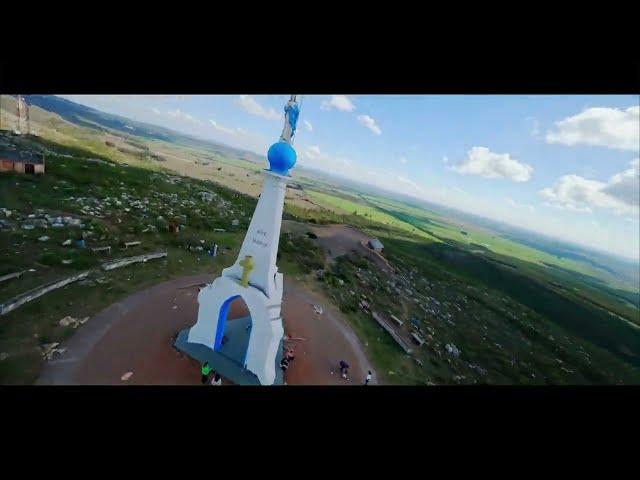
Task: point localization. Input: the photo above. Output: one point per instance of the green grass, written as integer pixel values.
(23, 330)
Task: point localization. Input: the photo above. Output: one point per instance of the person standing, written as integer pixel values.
(344, 368)
(368, 379)
(284, 364)
(217, 380)
(290, 355)
(205, 371)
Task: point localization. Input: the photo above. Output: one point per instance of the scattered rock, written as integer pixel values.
(318, 309)
(478, 369)
(72, 322)
(49, 349)
(126, 376)
(3, 356)
(44, 238)
(452, 350)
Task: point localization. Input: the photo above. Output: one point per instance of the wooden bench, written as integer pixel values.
(131, 244)
(101, 249)
(397, 320)
(391, 332)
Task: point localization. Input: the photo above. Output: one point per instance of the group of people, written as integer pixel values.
(344, 371)
(287, 358)
(206, 371)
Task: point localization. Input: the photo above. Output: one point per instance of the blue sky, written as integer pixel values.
(562, 165)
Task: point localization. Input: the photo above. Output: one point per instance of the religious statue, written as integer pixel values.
(291, 112)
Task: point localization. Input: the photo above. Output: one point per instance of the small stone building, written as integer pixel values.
(375, 244)
(21, 161)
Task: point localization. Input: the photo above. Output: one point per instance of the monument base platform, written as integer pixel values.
(228, 360)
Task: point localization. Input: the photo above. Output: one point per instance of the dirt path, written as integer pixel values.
(136, 334)
(339, 240)
(330, 340)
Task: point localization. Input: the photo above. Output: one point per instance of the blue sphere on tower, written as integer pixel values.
(282, 158)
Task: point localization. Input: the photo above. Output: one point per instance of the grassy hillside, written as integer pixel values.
(520, 311)
(115, 204)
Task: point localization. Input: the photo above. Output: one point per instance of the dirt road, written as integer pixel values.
(338, 240)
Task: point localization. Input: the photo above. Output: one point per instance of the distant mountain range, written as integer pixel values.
(91, 118)
(94, 119)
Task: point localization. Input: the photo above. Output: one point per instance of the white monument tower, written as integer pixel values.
(254, 277)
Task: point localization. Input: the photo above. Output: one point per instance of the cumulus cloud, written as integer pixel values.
(370, 123)
(313, 150)
(312, 156)
(308, 125)
(619, 194)
(481, 161)
(604, 127)
(178, 114)
(625, 186)
(403, 160)
(525, 206)
(156, 111)
(445, 159)
(252, 106)
(339, 102)
(411, 183)
(221, 128)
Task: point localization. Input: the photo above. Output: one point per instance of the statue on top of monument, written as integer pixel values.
(291, 112)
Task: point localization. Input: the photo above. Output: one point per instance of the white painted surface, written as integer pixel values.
(263, 295)
(263, 235)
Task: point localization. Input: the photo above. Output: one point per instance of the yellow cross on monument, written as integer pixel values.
(247, 267)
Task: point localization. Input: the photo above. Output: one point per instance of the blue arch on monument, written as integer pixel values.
(222, 320)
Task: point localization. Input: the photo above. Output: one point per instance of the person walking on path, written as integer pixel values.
(217, 380)
(284, 364)
(368, 379)
(205, 370)
(344, 368)
(290, 355)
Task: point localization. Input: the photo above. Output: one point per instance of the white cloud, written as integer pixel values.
(481, 161)
(314, 150)
(308, 125)
(625, 186)
(156, 111)
(524, 206)
(411, 183)
(620, 194)
(370, 123)
(445, 159)
(403, 160)
(604, 127)
(222, 128)
(180, 115)
(339, 102)
(252, 106)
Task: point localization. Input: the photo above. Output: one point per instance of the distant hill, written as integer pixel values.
(96, 120)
